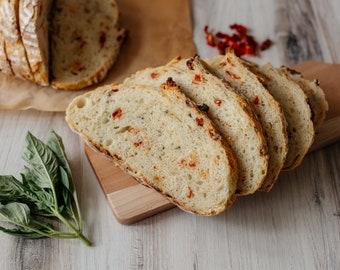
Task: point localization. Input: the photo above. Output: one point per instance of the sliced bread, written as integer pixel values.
(5, 66)
(297, 112)
(85, 41)
(230, 113)
(159, 136)
(316, 96)
(15, 50)
(34, 27)
(269, 112)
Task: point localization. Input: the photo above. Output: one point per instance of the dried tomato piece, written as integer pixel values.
(241, 41)
(117, 113)
(199, 121)
(239, 28)
(265, 44)
(209, 37)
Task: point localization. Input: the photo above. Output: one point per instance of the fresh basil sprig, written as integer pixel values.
(46, 192)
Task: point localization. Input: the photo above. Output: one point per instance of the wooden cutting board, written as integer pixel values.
(132, 202)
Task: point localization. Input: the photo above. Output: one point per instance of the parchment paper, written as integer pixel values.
(158, 31)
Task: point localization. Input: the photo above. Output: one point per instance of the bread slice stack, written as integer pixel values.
(202, 132)
(221, 105)
(64, 44)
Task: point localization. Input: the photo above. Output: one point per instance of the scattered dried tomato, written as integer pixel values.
(256, 100)
(241, 41)
(265, 44)
(190, 194)
(117, 113)
(218, 102)
(199, 121)
(137, 143)
(197, 78)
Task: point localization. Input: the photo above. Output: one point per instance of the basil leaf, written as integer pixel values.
(43, 162)
(15, 213)
(55, 143)
(47, 190)
(11, 189)
(45, 198)
(18, 214)
(21, 233)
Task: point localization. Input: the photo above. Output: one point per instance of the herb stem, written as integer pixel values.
(77, 231)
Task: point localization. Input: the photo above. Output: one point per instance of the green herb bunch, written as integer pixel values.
(46, 193)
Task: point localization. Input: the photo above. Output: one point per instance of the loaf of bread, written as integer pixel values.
(66, 44)
(81, 55)
(296, 109)
(202, 132)
(269, 112)
(159, 136)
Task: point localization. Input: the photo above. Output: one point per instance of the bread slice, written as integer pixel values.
(269, 112)
(159, 136)
(5, 66)
(86, 40)
(297, 111)
(230, 113)
(34, 26)
(15, 50)
(316, 96)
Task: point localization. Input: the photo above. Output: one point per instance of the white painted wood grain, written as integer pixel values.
(295, 226)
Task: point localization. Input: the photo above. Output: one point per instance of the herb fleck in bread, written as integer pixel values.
(34, 26)
(159, 136)
(297, 112)
(230, 113)
(85, 42)
(269, 112)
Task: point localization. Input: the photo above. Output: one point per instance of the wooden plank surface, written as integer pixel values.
(132, 202)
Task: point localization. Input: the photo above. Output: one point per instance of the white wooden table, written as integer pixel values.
(295, 226)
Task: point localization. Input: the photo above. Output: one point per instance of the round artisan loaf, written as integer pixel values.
(85, 41)
(269, 112)
(230, 113)
(159, 136)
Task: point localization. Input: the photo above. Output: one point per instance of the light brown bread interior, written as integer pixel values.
(300, 128)
(316, 96)
(230, 113)
(159, 136)
(269, 112)
(81, 55)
